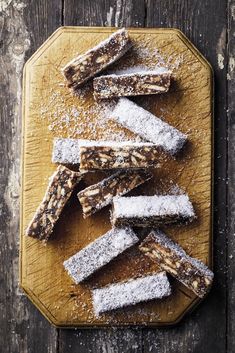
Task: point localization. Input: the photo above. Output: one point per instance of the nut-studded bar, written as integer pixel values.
(133, 84)
(150, 211)
(99, 195)
(119, 156)
(119, 295)
(85, 66)
(171, 258)
(99, 253)
(59, 190)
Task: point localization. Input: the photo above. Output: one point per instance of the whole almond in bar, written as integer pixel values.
(119, 156)
(59, 190)
(85, 66)
(132, 84)
(131, 292)
(148, 126)
(150, 211)
(97, 196)
(171, 258)
(99, 253)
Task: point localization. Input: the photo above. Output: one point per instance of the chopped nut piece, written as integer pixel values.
(85, 66)
(59, 190)
(134, 84)
(97, 196)
(173, 259)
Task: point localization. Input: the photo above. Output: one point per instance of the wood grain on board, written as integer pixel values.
(50, 110)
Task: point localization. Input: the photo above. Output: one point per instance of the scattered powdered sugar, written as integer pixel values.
(157, 205)
(162, 239)
(99, 253)
(133, 117)
(131, 292)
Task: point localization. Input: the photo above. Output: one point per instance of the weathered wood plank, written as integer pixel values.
(204, 22)
(231, 178)
(23, 27)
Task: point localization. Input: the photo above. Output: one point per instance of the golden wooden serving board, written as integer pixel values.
(50, 110)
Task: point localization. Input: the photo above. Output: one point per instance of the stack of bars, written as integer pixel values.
(132, 164)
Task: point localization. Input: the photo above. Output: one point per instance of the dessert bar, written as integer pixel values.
(85, 66)
(66, 150)
(148, 126)
(173, 259)
(132, 84)
(150, 211)
(97, 196)
(114, 296)
(59, 190)
(118, 156)
(99, 253)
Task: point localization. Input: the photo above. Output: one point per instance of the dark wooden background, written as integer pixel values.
(210, 25)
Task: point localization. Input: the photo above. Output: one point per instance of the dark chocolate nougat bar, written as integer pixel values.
(119, 156)
(99, 253)
(150, 211)
(59, 190)
(97, 196)
(133, 84)
(85, 66)
(148, 126)
(131, 292)
(171, 258)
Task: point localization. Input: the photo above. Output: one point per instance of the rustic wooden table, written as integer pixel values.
(210, 25)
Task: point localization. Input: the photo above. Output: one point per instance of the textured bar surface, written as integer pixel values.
(66, 150)
(151, 211)
(61, 185)
(114, 296)
(97, 196)
(100, 252)
(134, 118)
(85, 66)
(173, 259)
(133, 84)
(119, 156)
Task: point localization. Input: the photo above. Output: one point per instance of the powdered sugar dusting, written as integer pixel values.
(134, 291)
(99, 253)
(133, 117)
(157, 205)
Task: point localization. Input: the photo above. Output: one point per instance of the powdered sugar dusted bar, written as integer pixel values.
(114, 296)
(150, 211)
(59, 190)
(99, 253)
(66, 150)
(118, 156)
(173, 259)
(85, 66)
(148, 126)
(132, 84)
(97, 196)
